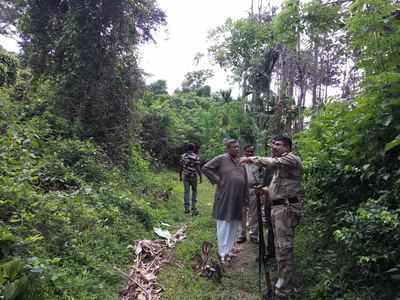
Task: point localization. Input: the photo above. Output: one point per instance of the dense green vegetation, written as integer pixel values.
(169, 122)
(352, 155)
(67, 214)
(84, 143)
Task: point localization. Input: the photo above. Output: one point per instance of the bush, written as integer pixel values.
(67, 213)
(352, 182)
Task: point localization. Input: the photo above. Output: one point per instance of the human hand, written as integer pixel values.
(262, 190)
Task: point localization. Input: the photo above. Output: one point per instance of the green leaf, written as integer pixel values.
(6, 235)
(9, 270)
(34, 238)
(393, 144)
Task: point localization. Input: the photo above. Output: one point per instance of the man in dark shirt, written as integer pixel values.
(190, 169)
(231, 191)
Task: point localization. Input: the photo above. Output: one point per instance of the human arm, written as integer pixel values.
(180, 173)
(271, 162)
(180, 169)
(198, 169)
(210, 170)
(267, 162)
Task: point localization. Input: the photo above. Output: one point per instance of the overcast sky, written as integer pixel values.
(189, 21)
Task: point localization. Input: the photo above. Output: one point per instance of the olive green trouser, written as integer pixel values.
(190, 185)
(250, 217)
(284, 219)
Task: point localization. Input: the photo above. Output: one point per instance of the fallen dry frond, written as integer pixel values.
(150, 256)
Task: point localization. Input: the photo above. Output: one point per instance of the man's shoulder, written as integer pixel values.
(193, 156)
(293, 158)
(189, 154)
(216, 159)
(288, 158)
(221, 156)
(293, 155)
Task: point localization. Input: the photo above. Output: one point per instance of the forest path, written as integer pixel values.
(179, 281)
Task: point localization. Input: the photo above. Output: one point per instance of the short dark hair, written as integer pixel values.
(248, 146)
(190, 147)
(285, 139)
(229, 142)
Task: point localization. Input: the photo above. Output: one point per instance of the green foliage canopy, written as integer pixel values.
(88, 50)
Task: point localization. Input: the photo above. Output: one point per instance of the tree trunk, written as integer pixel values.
(315, 78)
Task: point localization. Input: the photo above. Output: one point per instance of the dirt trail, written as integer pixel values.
(240, 279)
(241, 274)
(246, 253)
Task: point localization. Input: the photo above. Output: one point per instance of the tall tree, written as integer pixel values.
(327, 45)
(195, 82)
(158, 87)
(88, 49)
(247, 47)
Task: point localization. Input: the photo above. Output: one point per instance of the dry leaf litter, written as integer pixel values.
(150, 256)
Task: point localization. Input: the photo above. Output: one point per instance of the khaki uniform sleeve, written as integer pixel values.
(267, 162)
(290, 160)
(273, 162)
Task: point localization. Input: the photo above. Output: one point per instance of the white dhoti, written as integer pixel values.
(226, 236)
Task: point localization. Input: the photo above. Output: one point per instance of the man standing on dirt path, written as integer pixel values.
(254, 176)
(230, 177)
(286, 197)
(190, 168)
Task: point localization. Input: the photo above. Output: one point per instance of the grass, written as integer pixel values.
(240, 281)
(179, 280)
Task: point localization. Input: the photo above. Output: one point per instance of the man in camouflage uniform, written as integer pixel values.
(190, 168)
(249, 218)
(286, 198)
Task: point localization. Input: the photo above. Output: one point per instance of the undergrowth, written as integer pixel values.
(67, 214)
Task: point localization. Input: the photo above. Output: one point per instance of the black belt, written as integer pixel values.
(282, 201)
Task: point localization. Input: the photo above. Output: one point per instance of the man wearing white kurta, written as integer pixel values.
(231, 180)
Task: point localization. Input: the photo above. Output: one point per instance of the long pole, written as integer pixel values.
(261, 251)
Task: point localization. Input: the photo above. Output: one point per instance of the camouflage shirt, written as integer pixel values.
(190, 164)
(287, 174)
(254, 175)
